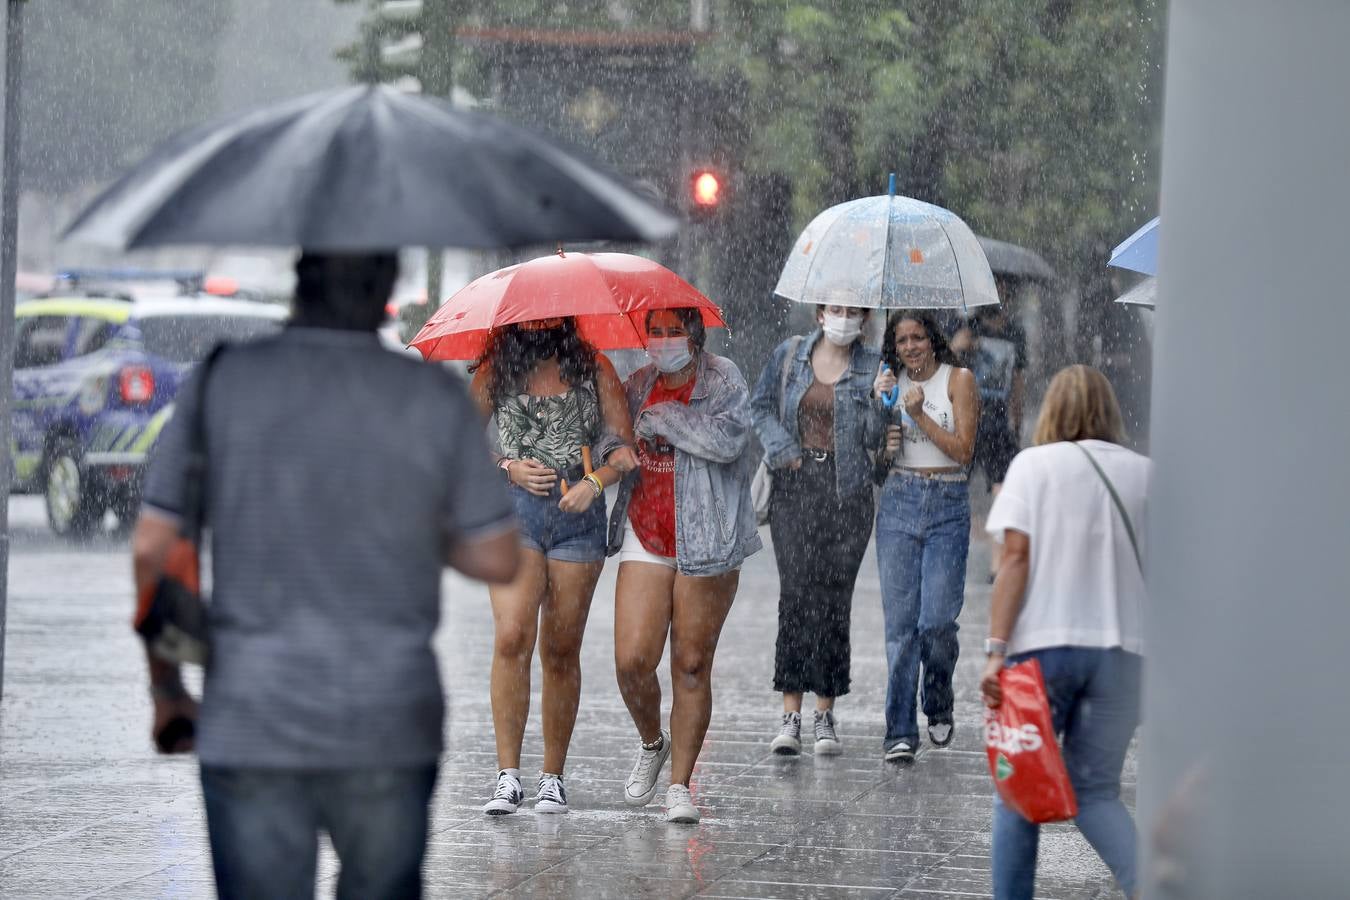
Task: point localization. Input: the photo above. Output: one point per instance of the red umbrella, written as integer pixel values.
(608, 293)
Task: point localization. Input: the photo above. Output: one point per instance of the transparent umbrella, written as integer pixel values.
(1144, 294)
(888, 252)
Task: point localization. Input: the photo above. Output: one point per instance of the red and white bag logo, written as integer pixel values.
(1024, 758)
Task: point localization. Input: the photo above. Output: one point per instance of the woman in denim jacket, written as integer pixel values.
(820, 427)
(682, 525)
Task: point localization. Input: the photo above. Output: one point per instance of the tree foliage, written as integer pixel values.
(1037, 121)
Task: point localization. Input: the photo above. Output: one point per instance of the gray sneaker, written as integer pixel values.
(552, 796)
(508, 796)
(827, 742)
(789, 739)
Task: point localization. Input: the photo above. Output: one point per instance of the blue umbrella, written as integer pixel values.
(888, 252)
(1139, 251)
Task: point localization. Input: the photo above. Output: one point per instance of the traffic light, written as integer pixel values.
(707, 190)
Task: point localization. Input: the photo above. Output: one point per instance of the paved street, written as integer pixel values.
(87, 809)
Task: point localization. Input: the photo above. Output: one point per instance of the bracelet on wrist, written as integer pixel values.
(596, 484)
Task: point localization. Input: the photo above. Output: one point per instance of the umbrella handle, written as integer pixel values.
(891, 400)
(586, 460)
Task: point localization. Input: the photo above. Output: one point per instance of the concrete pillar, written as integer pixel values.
(1247, 703)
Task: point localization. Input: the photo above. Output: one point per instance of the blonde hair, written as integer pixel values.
(1079, 405)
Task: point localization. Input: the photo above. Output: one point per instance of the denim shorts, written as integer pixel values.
(567, 537)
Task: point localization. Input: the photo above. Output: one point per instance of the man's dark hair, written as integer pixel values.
(343, 290)
(692, 320)
(941, 349)
(511, 356)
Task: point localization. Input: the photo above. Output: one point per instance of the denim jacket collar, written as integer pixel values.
(859, 354)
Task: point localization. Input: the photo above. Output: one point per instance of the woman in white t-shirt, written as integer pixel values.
(1070, 592)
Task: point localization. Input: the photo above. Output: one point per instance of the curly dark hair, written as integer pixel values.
(511, 355)
(941, 349)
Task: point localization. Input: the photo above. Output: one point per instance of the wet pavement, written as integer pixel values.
(87, 809)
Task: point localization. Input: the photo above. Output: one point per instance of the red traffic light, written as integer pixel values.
(706, 189)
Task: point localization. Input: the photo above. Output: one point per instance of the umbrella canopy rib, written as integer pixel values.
(366, 168)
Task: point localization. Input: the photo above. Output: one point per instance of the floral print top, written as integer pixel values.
(550, 429)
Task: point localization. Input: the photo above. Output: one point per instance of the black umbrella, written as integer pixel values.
(1011, 261)
(365, 168)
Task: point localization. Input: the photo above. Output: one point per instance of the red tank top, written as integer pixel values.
(651, 510)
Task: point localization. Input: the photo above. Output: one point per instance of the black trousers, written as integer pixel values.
(818, 542)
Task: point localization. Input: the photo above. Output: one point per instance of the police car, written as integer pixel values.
(94, 382)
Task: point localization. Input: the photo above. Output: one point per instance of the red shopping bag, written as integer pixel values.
(1024, 756)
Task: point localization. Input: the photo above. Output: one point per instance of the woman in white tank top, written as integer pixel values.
(923, 525)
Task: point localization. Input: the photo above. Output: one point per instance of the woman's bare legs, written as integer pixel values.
(515, 617)
(562, 621)
(700, 607)
(642, 607)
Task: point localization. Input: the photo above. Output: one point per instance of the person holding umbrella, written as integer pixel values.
(923, 525)
(682, 525)
(565, 399)
(553, 396)
(331, 510)
(895, 252)
(820, 428)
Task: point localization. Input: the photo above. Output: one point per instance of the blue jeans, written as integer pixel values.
(568, 537)
(923, 536)
(1094, 701)
(264, 824)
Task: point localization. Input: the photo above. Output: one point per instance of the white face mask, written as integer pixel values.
(842, 330)
(669, 354)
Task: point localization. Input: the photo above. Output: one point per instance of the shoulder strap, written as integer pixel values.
(793, 346)
(1120, 506)
(194, 498)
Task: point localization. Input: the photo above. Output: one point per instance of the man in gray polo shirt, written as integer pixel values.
(340, 479)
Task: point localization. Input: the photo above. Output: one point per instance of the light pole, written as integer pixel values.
(9, 226)
(438, 80)
(1242, 790)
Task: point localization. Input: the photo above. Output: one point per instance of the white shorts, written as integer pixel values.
(633, 551)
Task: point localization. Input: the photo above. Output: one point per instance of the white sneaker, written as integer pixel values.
(900, 751)
(789, 739)
(827, 742)
(508, 796)
(552, 796)
(641, 786)
(680, 807)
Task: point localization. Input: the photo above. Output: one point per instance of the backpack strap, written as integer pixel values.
(1120, 506)
(194, 498)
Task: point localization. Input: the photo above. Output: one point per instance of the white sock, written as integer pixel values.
(514, 773)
